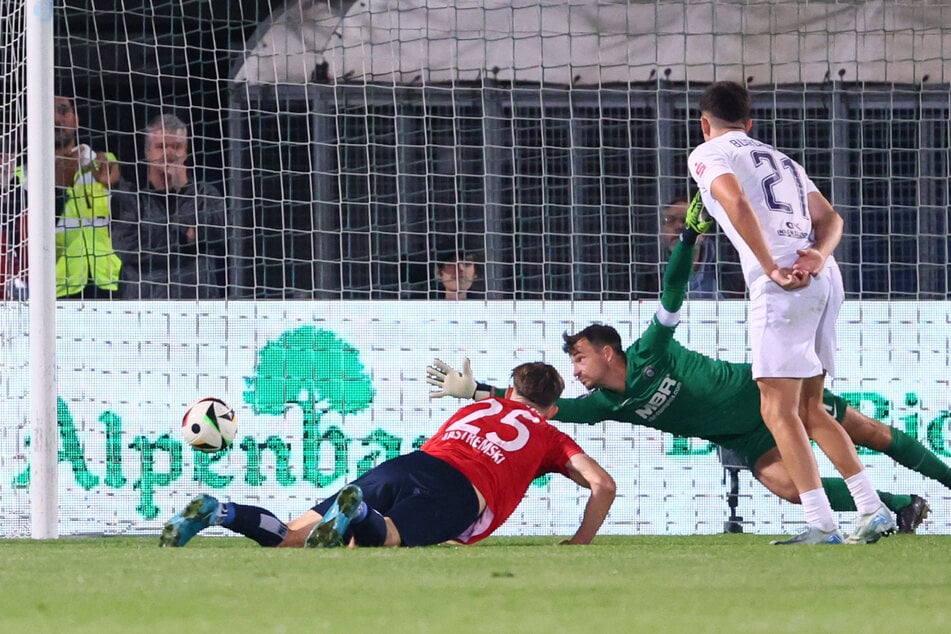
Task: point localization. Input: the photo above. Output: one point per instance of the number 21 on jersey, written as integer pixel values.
(772, 183)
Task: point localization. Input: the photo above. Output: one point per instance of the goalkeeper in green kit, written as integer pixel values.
(659, 383)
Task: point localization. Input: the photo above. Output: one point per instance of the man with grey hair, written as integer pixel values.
(171, 232)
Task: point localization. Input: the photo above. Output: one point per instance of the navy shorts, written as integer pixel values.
(429, 501)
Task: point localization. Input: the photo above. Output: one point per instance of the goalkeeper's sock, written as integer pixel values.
(838, 493)
(841, 500)
(894, 501)
(369, 527)
(910, 453)
(254, 522)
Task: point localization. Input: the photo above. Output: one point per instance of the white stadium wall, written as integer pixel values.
(125, 385)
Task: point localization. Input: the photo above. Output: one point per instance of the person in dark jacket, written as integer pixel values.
(171, 232)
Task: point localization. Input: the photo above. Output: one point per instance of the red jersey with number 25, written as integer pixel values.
(500, 445)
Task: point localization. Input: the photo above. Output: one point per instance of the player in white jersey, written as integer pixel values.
(785, 232)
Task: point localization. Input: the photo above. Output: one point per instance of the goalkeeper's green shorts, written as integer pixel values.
(750, 446)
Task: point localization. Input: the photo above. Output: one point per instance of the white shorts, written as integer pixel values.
(792, 333)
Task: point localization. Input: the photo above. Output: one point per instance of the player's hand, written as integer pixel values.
(789, 279)
(698, 218)
(451, 382)
(176, 175)
(810, 261)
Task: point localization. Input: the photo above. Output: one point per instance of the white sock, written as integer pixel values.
(865, 496)
(818, 511)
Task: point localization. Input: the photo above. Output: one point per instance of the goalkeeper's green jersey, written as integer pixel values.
(671, 388)
(675, 390)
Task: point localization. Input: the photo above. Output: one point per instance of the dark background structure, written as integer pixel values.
(340, 190)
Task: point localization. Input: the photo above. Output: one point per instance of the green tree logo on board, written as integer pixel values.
(319, 373)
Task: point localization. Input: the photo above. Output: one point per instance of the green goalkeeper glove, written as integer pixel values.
(697, 217)
(452, 383)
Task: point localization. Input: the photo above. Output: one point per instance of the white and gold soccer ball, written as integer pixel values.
(209, 425)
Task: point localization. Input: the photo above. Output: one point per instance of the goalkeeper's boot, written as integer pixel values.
(870, 527)
(811, 536)
(911, 516)
(328, 533)
(200, 513)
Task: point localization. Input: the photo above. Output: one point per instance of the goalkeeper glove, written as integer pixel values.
(452, 383)
(698, 219)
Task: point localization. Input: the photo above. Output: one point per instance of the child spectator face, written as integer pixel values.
(457, 276)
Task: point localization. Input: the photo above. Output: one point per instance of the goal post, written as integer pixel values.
(26, 61)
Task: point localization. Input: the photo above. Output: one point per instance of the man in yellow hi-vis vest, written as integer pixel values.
(86, 264)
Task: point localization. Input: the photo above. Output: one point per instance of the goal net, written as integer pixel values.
(249, 191)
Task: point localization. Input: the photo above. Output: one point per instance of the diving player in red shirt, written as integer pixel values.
(460, 486)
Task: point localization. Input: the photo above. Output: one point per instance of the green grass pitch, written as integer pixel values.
(717, 583)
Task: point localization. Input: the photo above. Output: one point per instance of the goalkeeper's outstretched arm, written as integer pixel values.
(680, 267)
(451, 382)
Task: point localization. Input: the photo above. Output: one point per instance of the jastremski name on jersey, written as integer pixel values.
(478, 443)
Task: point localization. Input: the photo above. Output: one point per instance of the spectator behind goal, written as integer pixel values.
(457, 271)
(87, 267)
(171, 231)
(703, 278)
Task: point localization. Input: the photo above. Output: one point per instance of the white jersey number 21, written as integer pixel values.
(770, 182)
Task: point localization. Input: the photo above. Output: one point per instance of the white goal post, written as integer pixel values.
(44, 502)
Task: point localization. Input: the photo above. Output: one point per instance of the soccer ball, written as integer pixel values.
(209, 425)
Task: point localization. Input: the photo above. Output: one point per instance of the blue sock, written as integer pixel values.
(225, 513)
(369, 530)
(253, 522)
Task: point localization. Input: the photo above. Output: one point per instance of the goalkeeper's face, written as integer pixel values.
(591, 366)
